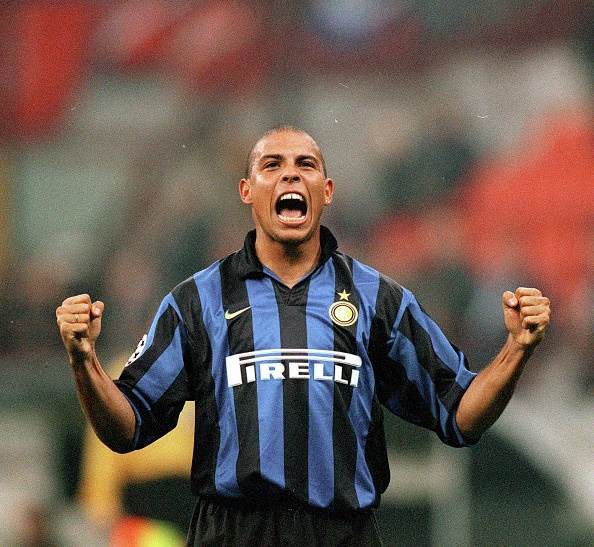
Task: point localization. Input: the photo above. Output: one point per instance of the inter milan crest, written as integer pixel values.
(137, 351)
(342, 312)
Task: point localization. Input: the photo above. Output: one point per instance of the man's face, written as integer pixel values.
(287, 188)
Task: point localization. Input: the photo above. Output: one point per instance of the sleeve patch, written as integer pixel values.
(138, 351)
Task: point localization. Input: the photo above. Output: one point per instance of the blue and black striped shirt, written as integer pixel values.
(289, 383)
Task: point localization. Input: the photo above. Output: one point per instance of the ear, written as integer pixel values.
(328, 191)
(245, 191)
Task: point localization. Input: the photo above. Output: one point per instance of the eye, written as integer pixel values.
(308, 163)
(271, 164)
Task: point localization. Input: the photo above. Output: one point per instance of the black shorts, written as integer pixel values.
(226, 525)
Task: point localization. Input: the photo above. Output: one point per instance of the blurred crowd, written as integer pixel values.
(461, 142)
(462, 168)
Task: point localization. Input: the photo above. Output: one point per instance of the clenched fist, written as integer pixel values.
(527, 314)
(79, 321)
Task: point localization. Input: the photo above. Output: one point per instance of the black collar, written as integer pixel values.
(250, 266)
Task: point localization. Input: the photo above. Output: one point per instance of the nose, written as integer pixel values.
(291, 175)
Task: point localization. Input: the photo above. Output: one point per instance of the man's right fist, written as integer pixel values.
(79, 321)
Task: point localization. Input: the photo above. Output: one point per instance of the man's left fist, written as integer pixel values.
(526, 313)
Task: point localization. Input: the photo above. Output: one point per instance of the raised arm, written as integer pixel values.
(109, 412)
(526, 314)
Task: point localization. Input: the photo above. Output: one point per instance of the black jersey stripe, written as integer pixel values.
(206, 430)
(345, 441)
(240, 339)
(388, 303)
(293, 334)
(170, 404)
(190, 308)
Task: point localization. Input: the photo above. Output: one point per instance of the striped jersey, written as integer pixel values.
(289, 383)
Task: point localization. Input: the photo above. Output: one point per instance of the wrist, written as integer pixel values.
(81, 360)
(518, 348)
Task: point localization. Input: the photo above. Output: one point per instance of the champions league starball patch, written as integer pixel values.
(342, 312)
(137, 351)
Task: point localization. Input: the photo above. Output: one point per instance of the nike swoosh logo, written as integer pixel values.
(229, 315)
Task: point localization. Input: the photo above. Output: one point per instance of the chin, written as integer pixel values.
(294, 235)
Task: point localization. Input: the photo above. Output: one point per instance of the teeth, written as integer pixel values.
(291, 219)
(291, 195)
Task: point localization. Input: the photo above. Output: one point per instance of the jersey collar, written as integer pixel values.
(250, 265)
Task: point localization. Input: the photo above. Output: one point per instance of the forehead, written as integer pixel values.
(286, 143)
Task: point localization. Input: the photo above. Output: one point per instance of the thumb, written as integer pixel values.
(97, 309)
(509, 300)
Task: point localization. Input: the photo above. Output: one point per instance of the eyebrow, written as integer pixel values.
(308, 157)
(280, 157)
(270, 157)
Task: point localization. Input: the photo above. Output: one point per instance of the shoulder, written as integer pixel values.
(189, 285)
(364, 274)
(186, 297)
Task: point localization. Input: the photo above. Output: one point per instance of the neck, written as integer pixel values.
(290, 261)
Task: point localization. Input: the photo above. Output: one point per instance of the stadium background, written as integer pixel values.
(460, 137)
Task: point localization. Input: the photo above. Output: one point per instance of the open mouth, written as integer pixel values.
(291, 207)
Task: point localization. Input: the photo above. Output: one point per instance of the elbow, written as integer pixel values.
(469, 431)
(120, 445)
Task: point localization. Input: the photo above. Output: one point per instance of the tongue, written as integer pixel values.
(293, 213)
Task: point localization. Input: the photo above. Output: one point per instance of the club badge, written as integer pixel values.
(342, 312)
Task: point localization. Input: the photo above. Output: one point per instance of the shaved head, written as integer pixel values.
(273, 131)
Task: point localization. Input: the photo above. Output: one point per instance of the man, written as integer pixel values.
(288, 348)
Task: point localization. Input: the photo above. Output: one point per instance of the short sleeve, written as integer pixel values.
(156, 379)
(429, 375)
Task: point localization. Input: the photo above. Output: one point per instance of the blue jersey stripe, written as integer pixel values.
(320, 335)
(208, 283)
(366, 280)
(266, 332)
(163, 371)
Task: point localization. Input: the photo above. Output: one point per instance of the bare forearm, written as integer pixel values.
(108, 411)
(491, 390)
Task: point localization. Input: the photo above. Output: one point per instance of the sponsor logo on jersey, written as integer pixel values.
(342, 312)
(293, 364)
(137, 351)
